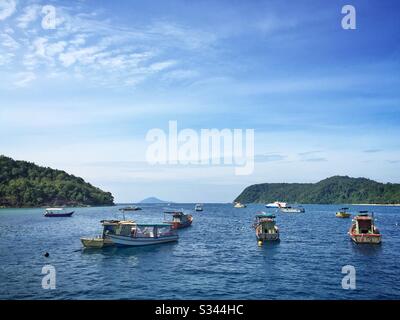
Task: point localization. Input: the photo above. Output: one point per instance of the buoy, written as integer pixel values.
(260, 243)
(46, 254)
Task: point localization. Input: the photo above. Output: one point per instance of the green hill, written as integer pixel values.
(24, 184)
(334, 190)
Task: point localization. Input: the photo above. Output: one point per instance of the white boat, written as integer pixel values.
(276, 204)
(239, 205)
(292, 209)
(198, 207)
(144, 235)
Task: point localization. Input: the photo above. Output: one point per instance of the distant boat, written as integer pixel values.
(342, 213)
(276, 204)
(239, 205)
(266, 229)
(289, 209)
(363, 229)
(198, 207)
(179, 219)
(144, 235)
(57, 212)
(130, 208)
(109, 227)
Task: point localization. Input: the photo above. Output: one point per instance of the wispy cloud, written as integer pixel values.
(307, 153)
(24, 78)
(372, 150)
(7, 8)
(30, 14)
(320, 159)
(93, 48)
(269, 157)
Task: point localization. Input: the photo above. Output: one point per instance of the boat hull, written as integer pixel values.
(343, 215)
(267, 236)
(58, 215)
(96, 242)
(292, 210)
(137, 242)
(366, 238)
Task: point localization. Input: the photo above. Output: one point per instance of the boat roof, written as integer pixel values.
(54, 209)
(110, 222)
(363, 217)
(344, 208)
(174, 212)
(265, 215)
(159, 225)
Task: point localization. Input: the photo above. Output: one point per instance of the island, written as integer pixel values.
(25, 184)
(333, 190)
(152, 200)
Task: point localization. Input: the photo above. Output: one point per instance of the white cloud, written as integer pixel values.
(159, 66)
(7, 8)
(24, 78)
(8, 41)
(29, 15)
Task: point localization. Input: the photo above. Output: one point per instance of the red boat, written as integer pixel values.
(57, 213)
(363, 229)
(179, 219)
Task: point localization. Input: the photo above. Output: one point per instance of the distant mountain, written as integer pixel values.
(333, 190)
(24, 184)
(153, 200)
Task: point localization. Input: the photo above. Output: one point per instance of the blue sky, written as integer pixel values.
(81, 97)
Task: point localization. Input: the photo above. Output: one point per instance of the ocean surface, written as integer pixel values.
(216, 258)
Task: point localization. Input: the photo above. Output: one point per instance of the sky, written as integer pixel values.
(82, 94)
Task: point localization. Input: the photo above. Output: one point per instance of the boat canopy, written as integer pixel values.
(344, 209)
(54, 209)
(265, 215)
(158, 225)
(180, 212)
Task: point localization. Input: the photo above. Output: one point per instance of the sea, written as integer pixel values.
(216, 258)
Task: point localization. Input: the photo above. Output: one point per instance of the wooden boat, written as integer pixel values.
(342, 213)
(130, 208)
(179, 219)
(239, 205)
(363, 229)
(109, 227)
(198, 207)
(266, 229)
(57, 212)
(144, 235)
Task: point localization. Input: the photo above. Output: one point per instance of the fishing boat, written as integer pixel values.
(57, 212)
(266, 229)
(363, 229)
(109, 227)
(289, 209)
(144, 235)
(198, 207)
(239, 205)
(130, 208)
(276, 204)
(179, 219)
(342, 213)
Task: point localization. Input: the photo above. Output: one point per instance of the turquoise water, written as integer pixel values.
(216, 258)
